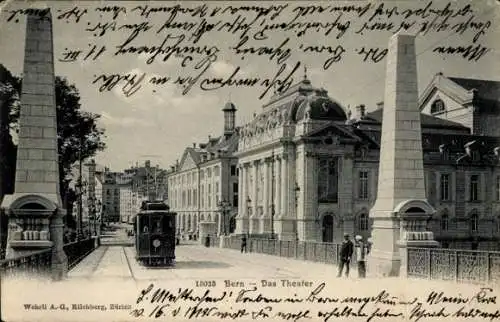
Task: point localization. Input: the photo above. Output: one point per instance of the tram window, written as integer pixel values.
(157, 225)
(144, 224)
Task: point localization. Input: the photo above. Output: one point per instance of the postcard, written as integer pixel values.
(250, 161)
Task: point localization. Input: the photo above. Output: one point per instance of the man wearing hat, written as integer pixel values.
(346, 251)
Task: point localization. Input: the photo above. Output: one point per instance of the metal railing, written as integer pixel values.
(463, 266)
(33, 264)
(39, 263)
(309, 251)
(76, 251)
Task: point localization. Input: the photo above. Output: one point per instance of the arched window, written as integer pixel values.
(444, 222)
(437, 106)
(474, 223)
(363, 222)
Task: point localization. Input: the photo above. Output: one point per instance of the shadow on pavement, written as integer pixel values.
(200, 264)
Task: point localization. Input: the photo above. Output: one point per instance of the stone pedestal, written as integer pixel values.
(413, 239)
(286, 229)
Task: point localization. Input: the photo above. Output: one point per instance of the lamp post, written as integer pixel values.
(224, 207)
(249, 211)
(297, 191)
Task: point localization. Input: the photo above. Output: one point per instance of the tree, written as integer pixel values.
(78, 133)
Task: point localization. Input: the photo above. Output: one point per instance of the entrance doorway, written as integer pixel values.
(232, 224)
(327, 229)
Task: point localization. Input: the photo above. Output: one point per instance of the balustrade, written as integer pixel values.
(311, 251)
(464, 266)
(39, 263)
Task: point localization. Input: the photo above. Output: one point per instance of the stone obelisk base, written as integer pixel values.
(59, 258)
(384, 259)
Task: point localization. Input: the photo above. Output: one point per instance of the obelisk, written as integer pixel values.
(35, 209)
(401, 205)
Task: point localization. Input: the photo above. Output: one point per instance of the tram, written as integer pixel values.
(155, 238)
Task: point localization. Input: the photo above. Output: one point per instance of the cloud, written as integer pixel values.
(222, 68)
(124, 121)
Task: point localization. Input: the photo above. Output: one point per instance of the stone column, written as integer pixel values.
(277, 192)
(254, 221)
(265, 227)
(240, 191)
(285, 212)
(242, 219)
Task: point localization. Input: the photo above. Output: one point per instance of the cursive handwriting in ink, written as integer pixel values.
(419, 312)
(314, 297)
(387, 313)
(115, 10)
(484, 296)
(436, 298)
(250, 298)
(373, 54)
(70, 55)
(35, 12)
(144, 292)
(340, 312)
(288, 316)
(75, 13)
(468, 52)
(130, 87)
(281, 53)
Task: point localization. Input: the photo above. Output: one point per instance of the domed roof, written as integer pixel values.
(229, 107)
(318, 106)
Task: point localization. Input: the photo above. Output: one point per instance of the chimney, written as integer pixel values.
(380, 105)
(229, 119)
(360, 111)
(147, 163)
(194, 145)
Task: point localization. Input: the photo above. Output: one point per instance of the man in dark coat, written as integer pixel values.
(346, 252)
(244, 243)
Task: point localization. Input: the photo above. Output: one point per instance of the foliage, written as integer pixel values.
(77, 129)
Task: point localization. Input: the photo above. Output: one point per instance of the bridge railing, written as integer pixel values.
(310, 251)
(39, 263)
(78, 250)
(464, 266)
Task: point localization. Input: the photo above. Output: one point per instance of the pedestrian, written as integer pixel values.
(361, 251)
(346, 251)
(244, 243)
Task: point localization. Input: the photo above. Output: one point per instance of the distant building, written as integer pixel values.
(475, 103)
(206, 177)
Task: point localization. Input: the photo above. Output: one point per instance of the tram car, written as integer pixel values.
(155, 237)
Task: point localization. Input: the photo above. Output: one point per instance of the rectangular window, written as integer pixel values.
(445, 187)
(202, 196)
(498, 188)
(235, 194)
(233, 170)
(474, 187)
(209, 195)
(363, 185)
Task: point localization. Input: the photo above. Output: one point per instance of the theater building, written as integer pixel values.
(308, 167)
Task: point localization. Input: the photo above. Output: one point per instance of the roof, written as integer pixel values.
(481, 93)
(486, 89)
(428, 121)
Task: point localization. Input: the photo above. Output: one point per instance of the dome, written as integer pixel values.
(229, 107)
(319, 106)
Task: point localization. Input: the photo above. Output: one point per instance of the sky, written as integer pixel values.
(158, 122)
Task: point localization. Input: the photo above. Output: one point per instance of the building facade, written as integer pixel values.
(203, 186)
(308, 171)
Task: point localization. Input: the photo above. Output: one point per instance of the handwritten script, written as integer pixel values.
(197, 39)
(312, 303)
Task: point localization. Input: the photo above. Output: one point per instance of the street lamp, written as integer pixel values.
(224, 207)
(80, 190)
(249, 211)
(297, 191)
